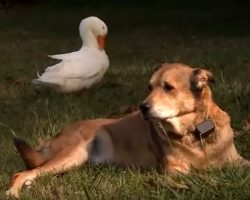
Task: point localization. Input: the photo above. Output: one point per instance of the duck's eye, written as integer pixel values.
(150, 87)
(167, 87)
(103, 27)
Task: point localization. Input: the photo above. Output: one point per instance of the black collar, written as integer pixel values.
(202, 130)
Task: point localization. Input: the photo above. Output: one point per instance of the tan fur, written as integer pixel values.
(132, 141)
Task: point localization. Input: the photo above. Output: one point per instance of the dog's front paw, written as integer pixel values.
(12, 193)
(17, 181)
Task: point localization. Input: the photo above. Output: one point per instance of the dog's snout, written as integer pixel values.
(144, 107)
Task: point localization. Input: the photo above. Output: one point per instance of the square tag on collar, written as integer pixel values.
(204, 129)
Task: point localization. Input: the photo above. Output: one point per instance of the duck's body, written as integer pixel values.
(80, 69)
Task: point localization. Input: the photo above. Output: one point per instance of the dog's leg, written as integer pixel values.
(242, 162)
(64, 160)
(175, 166)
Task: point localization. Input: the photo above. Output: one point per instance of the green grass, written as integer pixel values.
(139, 38)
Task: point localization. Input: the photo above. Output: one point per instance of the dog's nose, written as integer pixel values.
(144, 107)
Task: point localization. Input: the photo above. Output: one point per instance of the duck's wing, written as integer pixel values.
(66, 56)
(86, 65)
(56, 76)
(82, 67)
(51, 76)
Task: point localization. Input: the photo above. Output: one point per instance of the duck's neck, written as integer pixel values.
(88, 39)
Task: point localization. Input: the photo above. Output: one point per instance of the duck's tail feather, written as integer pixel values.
(38, 75)
(38, 84)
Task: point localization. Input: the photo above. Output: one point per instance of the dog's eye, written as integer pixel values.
(150, 87)
(167, 87)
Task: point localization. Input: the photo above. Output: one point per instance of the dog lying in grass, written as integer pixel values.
(179, 128)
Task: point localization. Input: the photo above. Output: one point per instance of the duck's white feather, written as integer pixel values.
(79, 69)
(82, 71)
(82, 65)
(66, 56)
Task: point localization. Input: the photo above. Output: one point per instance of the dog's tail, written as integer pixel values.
(30, 157)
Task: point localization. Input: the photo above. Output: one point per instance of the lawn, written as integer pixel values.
(212, 35)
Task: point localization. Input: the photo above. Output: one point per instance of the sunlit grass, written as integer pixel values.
(139, 38)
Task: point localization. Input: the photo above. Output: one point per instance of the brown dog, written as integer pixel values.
(185, 129)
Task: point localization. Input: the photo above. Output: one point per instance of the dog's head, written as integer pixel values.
(175, 90)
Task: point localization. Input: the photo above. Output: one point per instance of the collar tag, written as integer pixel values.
(204, 129)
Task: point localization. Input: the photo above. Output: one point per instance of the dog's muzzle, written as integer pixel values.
(145, 107)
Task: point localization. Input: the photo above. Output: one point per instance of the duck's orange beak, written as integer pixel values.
(101, 41)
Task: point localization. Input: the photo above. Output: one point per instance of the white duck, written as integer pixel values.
(80, 69)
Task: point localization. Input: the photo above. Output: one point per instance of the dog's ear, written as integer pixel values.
(200, 78)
